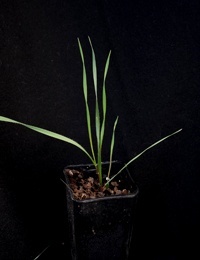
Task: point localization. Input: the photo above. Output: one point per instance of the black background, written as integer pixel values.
(153, 85)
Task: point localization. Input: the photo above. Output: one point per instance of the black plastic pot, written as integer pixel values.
(101, 228)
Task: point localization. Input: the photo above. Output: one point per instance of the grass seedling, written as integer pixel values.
(100, 122)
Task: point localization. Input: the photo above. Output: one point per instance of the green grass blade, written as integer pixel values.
(84, 72)
(104, 98)
(99, 168)
(94, 67)
(112, 146)
(48, 133)
(137, 156)
(97, 113)
(104, 106)
(85, 90)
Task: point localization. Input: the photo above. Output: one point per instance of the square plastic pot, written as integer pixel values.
(101, 228)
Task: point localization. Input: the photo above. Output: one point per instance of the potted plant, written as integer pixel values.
(101, 196)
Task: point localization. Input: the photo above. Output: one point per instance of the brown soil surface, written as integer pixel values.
(84, 187)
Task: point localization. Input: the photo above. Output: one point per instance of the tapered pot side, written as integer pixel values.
(101, 228)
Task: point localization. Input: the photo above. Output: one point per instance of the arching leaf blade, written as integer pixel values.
(48, 133)
(145, 150)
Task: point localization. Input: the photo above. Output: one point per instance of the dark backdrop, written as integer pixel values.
(153, 85)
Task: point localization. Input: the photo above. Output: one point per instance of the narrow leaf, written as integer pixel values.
(94, 67)
(97, 113)
(85, 91)
(137, 156)
(104, 98)
(48, 133)
(112, 146)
